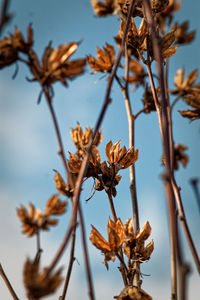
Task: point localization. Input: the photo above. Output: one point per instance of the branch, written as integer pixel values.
(5, 17)
(71, 261)
(8, 284)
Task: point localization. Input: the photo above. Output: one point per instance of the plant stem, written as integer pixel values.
(194, 183)
(8, 284)
(71, 261)
(131, 126)
(87, 264)
(112, 206)
(5, 17)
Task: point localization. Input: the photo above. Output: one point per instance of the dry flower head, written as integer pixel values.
(133, 293)
(105, 59)
(34, 220)
(39, 284)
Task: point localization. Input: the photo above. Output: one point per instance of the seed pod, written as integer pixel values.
(159, 5)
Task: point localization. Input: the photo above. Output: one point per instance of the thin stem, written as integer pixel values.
(8, 284)
(5, 17)
(71, 261)
(131, 125)
(123, 269)
(87, 264)
(175, 101)
(122, 262)
(112, 206)
(58, 135)
(139, 113)
(194, 183)
(183, 267)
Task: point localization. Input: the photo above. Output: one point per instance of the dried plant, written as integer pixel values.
(154, 41)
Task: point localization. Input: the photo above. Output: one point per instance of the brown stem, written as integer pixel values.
(123, 268)
(183, 267)
(112, 206)
(5, 17)
(8, 284)
(131, 125)
(88, 270)
(71, 261)
(194, 183)
(164, 129)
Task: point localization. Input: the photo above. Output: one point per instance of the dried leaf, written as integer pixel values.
(190, 114)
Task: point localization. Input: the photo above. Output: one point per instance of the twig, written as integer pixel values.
(5, 17)
(112, 206)
(8, 284)
(139, 113)
(131, 127)
(88, 271)
(183, 267)
(194, 183)
(123, 268)
(174, 102)
(71, 261)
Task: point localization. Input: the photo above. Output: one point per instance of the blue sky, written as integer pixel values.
(28, 148)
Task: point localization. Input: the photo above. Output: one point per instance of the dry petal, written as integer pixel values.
(144, 232)
(54, 206)
(190, 114)
(115, 234)
(148, 250)
(98, 241)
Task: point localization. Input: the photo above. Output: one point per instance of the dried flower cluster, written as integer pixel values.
(34, 220)
(189, 91)
(123, 236)
(54, 66)
(105, 174)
